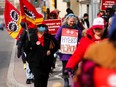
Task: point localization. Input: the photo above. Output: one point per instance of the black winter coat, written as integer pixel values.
(37, 54)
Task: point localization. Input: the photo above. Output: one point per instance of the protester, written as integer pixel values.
(99, 64)
(70, 11)
(69, 22)
(21, 42)
(47, 13)
(101, 13)
(94, 34)
(113, 13)
(53, 14)
(41, 47)
(85, 21)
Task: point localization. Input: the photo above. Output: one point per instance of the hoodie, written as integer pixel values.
(55, 13)
(85, 42)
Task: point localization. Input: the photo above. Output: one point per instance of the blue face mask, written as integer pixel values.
(41, 29)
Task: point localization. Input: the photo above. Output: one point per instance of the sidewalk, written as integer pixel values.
(16, 74)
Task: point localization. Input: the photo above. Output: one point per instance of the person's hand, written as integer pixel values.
(19, 53)
(68, 72)
(48, 52)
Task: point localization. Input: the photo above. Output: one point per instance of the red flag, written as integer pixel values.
(12, 20)
(29, 13)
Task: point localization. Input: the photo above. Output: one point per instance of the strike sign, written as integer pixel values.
(69, 40)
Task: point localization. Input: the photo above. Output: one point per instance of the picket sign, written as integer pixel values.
(69, 39)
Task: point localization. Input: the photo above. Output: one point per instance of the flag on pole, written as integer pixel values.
(12, 20)
(29, 13)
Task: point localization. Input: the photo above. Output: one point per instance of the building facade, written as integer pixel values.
(2, 5)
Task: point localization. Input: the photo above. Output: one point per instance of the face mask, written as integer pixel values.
(41, 29)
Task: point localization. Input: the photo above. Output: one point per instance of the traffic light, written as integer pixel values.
(36, 1)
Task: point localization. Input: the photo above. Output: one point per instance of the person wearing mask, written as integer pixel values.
(93, 35)
(41, 47)
(99, 62)
(69, 22)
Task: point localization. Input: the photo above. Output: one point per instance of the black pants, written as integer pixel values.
(63, 66)
(40, 79)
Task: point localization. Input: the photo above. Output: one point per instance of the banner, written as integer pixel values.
(107, 4)
(53, 25)
(29, 13)
(12, 20)
(69, 39)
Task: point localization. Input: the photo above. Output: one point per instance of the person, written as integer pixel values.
(69, 22)
(47, 13)
(114, 9)
(99, 62)
(2, 26)
(21, 53)
(113, 13)
(93, 35)
(41, 48)
(68, 11)
(85, 21)
(53, 14)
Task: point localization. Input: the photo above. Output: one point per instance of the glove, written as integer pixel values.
(23, 25)
(68, 72)
(19, 53)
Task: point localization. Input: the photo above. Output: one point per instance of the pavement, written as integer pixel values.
(16, 76)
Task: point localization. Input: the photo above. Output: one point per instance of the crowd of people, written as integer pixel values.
(92, 64)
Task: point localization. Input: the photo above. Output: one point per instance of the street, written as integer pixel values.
(56, 76)
(6, 44)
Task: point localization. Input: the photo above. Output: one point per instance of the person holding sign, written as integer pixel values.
(93, 35)
(68, 36)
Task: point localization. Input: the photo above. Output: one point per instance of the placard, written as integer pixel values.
(53, 25)
(69, 39)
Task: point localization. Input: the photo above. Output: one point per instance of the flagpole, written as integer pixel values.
(27, 32)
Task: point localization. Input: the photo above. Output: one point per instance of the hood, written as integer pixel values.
(90, 33)
(54, 12)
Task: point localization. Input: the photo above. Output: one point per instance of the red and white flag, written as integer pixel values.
(29, 14)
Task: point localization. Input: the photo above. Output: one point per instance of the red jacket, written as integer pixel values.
(82, 47)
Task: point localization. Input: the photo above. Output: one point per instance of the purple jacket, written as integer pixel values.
(58, 37)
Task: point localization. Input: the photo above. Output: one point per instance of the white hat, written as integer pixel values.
(98, 23)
